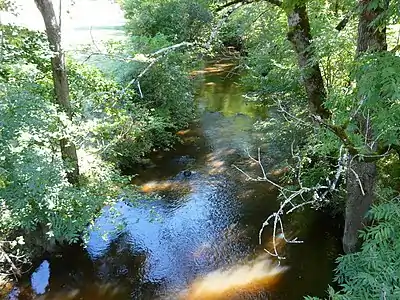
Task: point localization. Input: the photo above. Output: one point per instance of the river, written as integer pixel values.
(198, 239)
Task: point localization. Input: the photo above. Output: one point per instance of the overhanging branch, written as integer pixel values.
(234, 2)
(339, 132)
(243, 2)
(161, 53)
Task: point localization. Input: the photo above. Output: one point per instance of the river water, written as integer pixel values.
(198, 239)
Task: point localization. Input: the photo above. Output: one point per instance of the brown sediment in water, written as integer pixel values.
(217, 161)
(224, 284)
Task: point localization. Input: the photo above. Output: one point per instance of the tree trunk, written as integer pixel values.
(362, 176)
(370, 38)
(300, 36)
(61, 88)
(361, 179)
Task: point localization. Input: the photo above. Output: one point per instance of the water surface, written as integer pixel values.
(199, 238)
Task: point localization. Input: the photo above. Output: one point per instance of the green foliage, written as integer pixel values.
(379, 82)
(141, 121)
(22, 46)
(179, 20)
(273, 78)
(35, 195)
(7, 5)
(373, 273)
(270, 57)
(123, 120)
(36, 200)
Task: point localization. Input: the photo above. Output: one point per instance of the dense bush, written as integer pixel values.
(149, 111)
(179, 20)
(37, 201)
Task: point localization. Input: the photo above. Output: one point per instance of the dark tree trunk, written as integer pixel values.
(370, 38)
(300, 36)
(361, 179)
(362, 176)
(61, 88)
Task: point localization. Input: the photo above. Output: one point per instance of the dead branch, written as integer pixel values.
(4, 256)
(243, 2)
(154, 58)
(358, 181)
(220, 23)
(317, 194)
(258, 178)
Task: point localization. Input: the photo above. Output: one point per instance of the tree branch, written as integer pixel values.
(15, 270)
(243, 2)
(342, 24)
(340, 133)
(161, 53)
(317, 193)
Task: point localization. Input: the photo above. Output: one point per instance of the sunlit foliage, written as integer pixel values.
(179, 20)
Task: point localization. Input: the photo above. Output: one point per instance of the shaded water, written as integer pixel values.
(199, 239)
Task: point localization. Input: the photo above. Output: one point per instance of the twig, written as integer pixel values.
(158, 55)
(358, 181)
(264, 178)
(281, 109)
(140, 90)
(298, 166)
(16, 272)
(318, 193)
(367, 130)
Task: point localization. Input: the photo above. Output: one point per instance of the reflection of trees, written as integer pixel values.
(118, 274)
(224, 95)
(71, 272)
(310, 273)
(126, 268)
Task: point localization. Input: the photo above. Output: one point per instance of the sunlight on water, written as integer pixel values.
(156, 186)
(257, 274)
(215, 69)
(217, 160)
(184, 132)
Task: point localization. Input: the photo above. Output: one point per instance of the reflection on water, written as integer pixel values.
(40, 278)
(253, 276)
(199, 238)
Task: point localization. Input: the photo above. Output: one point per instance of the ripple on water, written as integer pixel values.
(174, 240)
